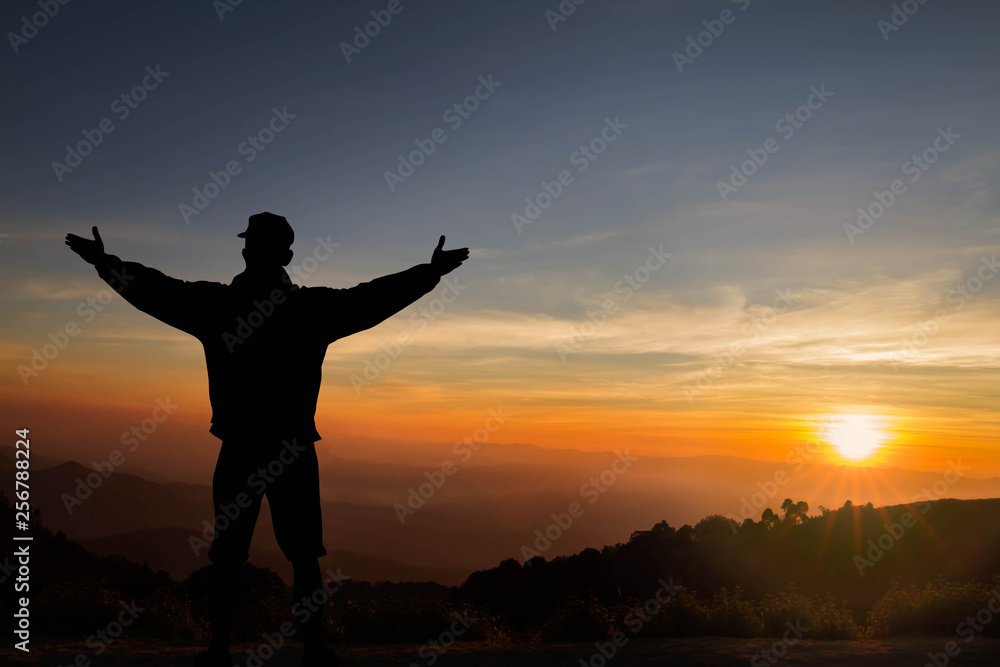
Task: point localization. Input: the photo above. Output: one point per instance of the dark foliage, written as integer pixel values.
(844, 574)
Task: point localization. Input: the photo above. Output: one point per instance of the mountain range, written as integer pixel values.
(489, 509)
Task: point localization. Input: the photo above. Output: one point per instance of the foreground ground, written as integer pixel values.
(702, 651)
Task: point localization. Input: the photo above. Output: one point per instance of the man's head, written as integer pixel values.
(269, 239)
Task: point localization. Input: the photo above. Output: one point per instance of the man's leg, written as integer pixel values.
(235, 518)
(223, 600)
(307, 582)
(298, 527)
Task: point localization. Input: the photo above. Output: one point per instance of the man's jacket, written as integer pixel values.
(264, 337)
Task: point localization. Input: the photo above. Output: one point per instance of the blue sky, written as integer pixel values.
(655, 185)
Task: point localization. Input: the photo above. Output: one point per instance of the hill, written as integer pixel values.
(486, 512)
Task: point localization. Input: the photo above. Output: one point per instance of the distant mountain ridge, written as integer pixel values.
(485, 512)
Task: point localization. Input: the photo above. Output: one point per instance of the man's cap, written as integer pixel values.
(270, 228)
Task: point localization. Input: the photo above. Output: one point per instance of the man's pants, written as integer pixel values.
(288, 474)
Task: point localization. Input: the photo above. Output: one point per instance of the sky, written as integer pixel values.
(636, 280)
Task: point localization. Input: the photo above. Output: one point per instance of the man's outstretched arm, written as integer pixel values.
(367, 304)
(169, 300)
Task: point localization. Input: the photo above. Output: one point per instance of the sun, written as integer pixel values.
(856, 437)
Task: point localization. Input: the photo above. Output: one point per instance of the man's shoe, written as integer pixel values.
(321, 657)
(213, 659)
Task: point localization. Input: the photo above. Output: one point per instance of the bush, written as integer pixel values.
(367, 619)
(168, 614)
(937, 608)
(75, 607)
(684, 615)
(824, 616)
(577, 619)
(729, 615)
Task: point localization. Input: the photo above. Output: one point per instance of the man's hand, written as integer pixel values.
(445, 261)
(90, 250)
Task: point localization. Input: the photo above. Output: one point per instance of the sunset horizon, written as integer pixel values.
(662, 286)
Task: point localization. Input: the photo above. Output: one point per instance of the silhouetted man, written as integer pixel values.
(265, 339)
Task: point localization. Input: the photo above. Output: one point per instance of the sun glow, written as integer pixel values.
(855, 437)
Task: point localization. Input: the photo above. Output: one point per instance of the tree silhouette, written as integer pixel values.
(795, 512)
